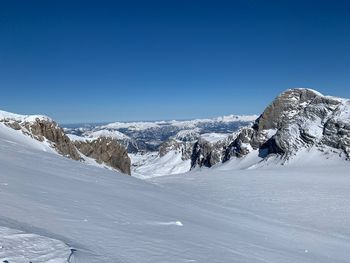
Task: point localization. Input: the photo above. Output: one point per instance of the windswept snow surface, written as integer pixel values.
(20, 247)
(273, 214)
(151, 165)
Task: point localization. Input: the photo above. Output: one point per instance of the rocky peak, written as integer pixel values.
(297, 119)
(284, 107)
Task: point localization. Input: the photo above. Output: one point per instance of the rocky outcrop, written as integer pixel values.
(205, 154)
(106, 151)
(43, 128)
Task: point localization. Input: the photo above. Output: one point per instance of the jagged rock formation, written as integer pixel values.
(43, 128)
(106, 151)
(102, 149)
(297, 119)
(207, 154)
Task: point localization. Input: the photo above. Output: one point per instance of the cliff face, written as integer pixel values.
(42, 128)
(297, 119)
(106, 151)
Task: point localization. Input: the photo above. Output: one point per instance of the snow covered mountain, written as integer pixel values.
(57, 210)
(148, 142)
(148, 136)
(298, 120)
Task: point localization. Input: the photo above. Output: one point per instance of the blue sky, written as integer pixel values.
(92, 61)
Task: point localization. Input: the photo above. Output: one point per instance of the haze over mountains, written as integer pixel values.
(248, 187)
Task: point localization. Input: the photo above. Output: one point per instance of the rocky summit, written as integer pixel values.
(297, 119)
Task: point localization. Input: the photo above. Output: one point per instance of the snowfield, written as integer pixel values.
(17, 246)
(291, 213)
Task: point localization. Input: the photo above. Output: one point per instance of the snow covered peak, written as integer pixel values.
(8, 116)
(108, 134)
(303, 90)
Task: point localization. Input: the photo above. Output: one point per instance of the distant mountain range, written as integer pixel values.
(148, 136)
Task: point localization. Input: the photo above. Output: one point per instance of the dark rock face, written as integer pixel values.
(205, 154)
(108, 151)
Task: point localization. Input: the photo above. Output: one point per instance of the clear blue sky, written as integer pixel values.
(89, 61)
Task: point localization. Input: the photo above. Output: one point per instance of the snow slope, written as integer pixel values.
(274, 214)
(151, 165)
(20, 247)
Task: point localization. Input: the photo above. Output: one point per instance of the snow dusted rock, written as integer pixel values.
(130, 144)
(184, 148)
(42, 128)
(204, 154)
(188, 135)
(297, 119)
(106, 150)
(145, 137)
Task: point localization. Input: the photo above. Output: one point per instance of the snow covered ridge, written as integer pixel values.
(8, 116)
(100, 149)
(149, 136)
(183, 124)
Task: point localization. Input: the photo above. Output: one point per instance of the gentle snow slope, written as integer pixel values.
(268, 215)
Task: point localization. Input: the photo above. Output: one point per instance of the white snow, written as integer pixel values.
(8, 116)
(93, 135)
(275, 214)
(186, 124)
(153, 165)
(131, 125)
(214, 137)
(20, 247)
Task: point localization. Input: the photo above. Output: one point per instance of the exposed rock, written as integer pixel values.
(49, 130)
(43, 128)
(206, 154)
(106, 151)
